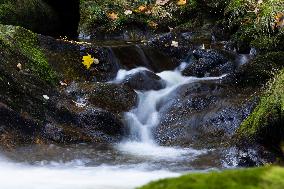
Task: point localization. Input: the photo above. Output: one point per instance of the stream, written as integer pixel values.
(135, 161)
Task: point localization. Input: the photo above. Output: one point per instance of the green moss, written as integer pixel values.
(255, 178)
(26, 42)
(256, 23)
(266, 122)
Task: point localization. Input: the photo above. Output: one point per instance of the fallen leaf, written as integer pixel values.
(88, 61)
(113, 16)
(174, 44)
(279, 20)
(181, 2)
(96, 61)
(63, 83)
(142, 8)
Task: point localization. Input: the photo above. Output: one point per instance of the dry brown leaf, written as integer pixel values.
(113, 16)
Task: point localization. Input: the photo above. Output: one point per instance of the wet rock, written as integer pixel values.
(101, 125)
(201, 114)
(209, 63)
(144, 80)
(16, 128)
(249, 155)
(112, 97)
(66, 60)
(36, 108)
(77, 123)
(163, 42)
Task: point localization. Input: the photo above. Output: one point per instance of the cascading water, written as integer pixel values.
(145, 117)
(132, 163)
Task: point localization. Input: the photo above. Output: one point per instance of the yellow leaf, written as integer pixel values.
(113, 16)
(88, 61)
(181, 2)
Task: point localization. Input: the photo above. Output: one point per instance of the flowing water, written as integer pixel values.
(129, 164)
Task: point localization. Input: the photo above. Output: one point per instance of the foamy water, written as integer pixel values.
(65, 176)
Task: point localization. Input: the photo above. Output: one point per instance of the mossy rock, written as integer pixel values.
(266, 123)
(26, 43)
(254, 178)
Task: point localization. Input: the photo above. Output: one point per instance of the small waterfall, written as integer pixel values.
(145, 117)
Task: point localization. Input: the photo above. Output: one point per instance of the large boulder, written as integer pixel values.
(32, 86)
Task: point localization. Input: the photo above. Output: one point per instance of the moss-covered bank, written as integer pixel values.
(266, 123)
(256, 178)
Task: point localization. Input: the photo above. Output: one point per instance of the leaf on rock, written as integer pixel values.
(89, 60)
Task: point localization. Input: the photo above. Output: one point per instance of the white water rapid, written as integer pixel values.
(145, 117)
(132, 163)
